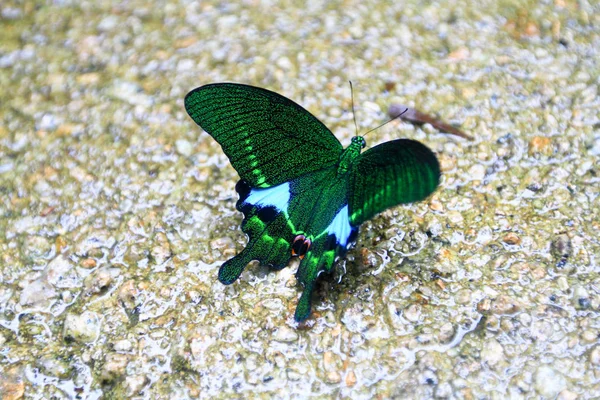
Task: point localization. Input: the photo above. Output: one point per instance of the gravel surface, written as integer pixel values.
(116, 210)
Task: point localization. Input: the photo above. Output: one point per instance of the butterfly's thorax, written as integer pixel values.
(349, 154)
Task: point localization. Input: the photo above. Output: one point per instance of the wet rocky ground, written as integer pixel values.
(116, 210)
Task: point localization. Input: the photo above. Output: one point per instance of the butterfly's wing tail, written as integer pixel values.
(232, 269)
(320, 258)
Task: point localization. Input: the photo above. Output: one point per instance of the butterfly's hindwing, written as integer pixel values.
(397, 172)
(307, 217)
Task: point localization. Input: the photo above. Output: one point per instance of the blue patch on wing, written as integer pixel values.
(276, 196)
(340, 226)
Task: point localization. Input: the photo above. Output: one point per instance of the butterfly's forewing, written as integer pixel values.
(268, 138)
(396, 172)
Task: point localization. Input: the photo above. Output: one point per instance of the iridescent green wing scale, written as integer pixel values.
(268, 138)
(396, 172)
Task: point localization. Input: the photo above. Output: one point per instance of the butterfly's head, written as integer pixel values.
(359, 140)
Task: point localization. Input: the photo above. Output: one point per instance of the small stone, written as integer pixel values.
(589, 336)
(504, 305)
(563, 284)
(114, 366)
(581, 298)
(82, 328)
(61, 273)
(436, 205)
(286, 335)
(477, 172)
(462, 53)
(455, 217)
(567, 395)
(538, 273)
(54, 367)
(329, 361)
(88, 263)
(100, 280)
(413, 312)
(446, 332)
(135, 384)
(333, 377)
(561, 247)
(222, 243)
(595, 355)
(37, 294)
(127, 294)
(284, 63)
(108, 23)
(123, 345)
(350, 378)
(90, 78)
(484, 305)
(540, 145)
(49, 122)
(447, 162)
(548, 382)
(463, 296)
(511, 238)
(492, 353)
(11, 389)
(184, 147)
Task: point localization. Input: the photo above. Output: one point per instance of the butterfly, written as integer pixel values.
(302, 194)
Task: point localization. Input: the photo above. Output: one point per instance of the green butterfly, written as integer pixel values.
(301, 193)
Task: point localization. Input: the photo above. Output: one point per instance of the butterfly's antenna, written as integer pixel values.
(353, 112)
(387, 122)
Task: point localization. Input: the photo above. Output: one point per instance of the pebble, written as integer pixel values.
(82, 328)
(134, 384)
(595, 355)
(562, 282)
(504, 305)
(540, 145)
(100, 280)
(11, 389)
(492, 353)
(463, 296)
(511, 238)
(38, 293)
(184, 147)
(333, 377)
(350, 378)
(54, 367)
(108, 23)
(127, 293)
(124, 345)
(286, 335)
(561, 247)
(61, 273)
(581, 298)
(413, 313)
(114, 366)
(477, 172)
(48, 122)
(549, 382)
(567, 395)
